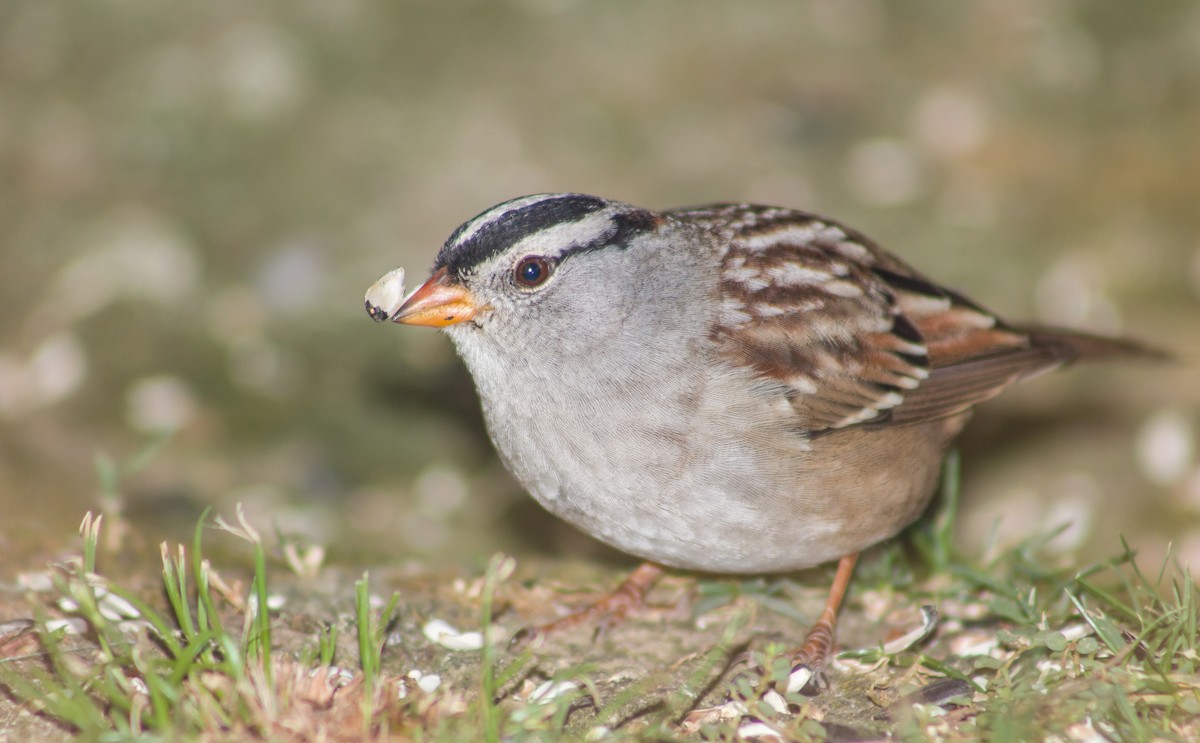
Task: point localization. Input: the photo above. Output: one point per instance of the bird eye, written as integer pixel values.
(532, 271)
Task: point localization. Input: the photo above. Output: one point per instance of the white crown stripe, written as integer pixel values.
(566, 236)
(498, 212)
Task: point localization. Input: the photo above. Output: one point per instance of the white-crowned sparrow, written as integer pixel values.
(730, 388)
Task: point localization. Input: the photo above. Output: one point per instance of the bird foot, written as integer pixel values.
(610, 610)
(808, 663)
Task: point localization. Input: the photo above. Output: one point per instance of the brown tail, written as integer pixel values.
(1070, 346)
(956, 387)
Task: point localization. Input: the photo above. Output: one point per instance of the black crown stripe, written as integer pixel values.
(499, 234)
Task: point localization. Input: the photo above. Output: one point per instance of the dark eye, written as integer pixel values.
(532, 271)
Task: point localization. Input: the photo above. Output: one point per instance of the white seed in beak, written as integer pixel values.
(386, 295)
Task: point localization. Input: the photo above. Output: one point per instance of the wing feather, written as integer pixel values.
(850, 333)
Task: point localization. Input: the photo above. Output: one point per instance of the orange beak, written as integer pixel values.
(437, 303)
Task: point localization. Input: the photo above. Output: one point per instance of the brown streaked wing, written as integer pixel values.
(974, 356)
(852, 333)
(802, 305)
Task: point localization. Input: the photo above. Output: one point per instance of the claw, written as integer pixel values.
(604, 613)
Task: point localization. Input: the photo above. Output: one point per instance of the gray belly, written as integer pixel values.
(724, 498)
(697, 466)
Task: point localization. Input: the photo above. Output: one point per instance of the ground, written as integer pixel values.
(1021, 648)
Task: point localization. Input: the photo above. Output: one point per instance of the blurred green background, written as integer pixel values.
(194, 197)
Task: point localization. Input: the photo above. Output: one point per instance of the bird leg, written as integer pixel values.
(631, 594)
(809, 660)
